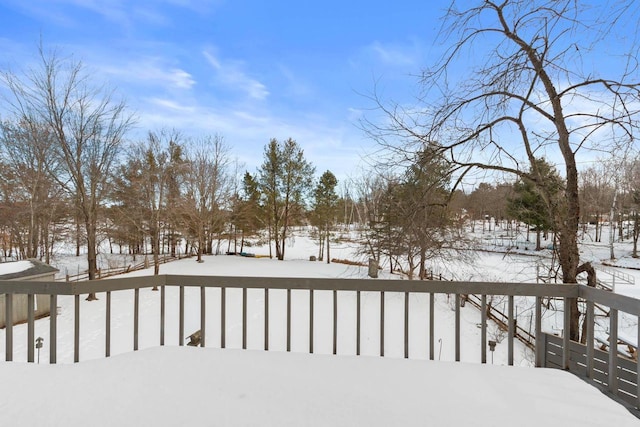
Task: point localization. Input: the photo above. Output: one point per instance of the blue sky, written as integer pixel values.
(247, 70)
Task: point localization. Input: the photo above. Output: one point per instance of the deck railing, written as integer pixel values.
(619, 376)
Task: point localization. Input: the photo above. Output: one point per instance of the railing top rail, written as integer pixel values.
(329, 284)
(377, 285)
(620, 302)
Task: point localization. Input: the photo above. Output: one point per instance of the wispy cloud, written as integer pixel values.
(119, 12)
(391, 54)
(168, 104)
(231, 74)
(151, 71)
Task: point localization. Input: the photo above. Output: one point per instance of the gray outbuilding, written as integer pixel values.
(36, 271)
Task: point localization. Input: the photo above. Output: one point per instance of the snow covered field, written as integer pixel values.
(173, 386)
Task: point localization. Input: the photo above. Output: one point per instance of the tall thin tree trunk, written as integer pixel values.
(328, 249)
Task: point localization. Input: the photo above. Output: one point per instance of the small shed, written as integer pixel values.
(27, 270)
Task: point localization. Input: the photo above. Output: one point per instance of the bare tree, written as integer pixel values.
(596, 195)
(142, 186)
(27, 148)
(515, 83)
(207, 188)
(87, 125)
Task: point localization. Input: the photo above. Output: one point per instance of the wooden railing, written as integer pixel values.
(557, 352)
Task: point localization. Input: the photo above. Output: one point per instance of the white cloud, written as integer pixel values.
(151, 71)
(230, 73)
(181, 78)
(393, 54)
(171, 105)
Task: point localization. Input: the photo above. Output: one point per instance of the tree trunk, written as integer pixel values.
(92, 257)
(328, 250)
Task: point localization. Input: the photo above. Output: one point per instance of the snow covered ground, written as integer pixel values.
(173, 386)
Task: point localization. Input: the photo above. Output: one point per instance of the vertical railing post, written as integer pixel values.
(335, 322)
(136, 317)
(53, 328)
(566, 337)
(76, 329)
(613, 351)
(223, 317)
(203, 316)
(483, 329)
(358, 322)
(266, 319)
(457, 327)
(163, 296)
(511, 332)
(638, 365)
(8, 319)
(244, 318)
(107, 326)
(382, 324)
(431, 326)
(31, 334)
(590, 319)
(540, 350)
(406, 325)
(181, 317)
(311, 304)
(288, 319)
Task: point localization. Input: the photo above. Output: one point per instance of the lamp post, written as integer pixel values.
(39, 342)
(492, 348)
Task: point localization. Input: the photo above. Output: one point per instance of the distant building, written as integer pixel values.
(31, 270)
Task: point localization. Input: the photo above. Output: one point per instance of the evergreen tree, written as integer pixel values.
(324, 210)
(528, 206)
(284, 177)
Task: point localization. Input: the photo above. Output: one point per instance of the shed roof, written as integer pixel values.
(37, 269)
